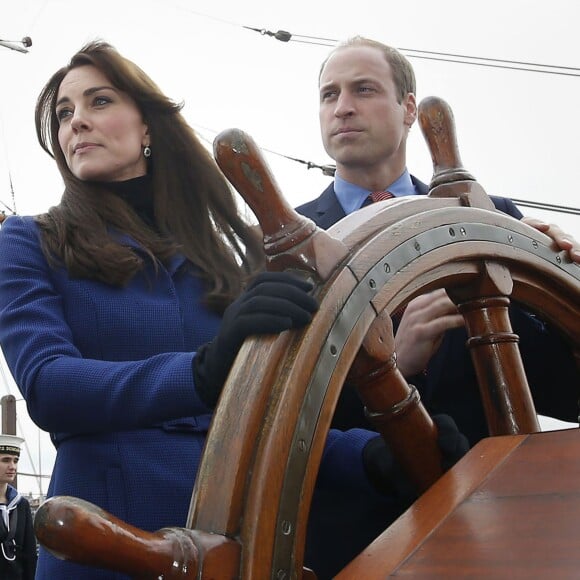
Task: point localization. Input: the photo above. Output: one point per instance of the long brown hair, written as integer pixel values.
(195, 208)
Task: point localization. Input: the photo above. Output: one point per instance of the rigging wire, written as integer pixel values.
(286, 36)
(547, 206)
(327, 170)
(330, 169)
(17, 45)
(499, 60)
(12, 209)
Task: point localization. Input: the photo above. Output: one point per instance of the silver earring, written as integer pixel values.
(147, 152)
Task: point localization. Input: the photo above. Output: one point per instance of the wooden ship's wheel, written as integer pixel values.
(268, 433)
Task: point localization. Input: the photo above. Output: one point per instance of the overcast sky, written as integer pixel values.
(517, 130)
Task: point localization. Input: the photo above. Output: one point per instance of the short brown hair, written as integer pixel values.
(403, 74)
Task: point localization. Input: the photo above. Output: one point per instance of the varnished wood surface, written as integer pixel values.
(509, 509)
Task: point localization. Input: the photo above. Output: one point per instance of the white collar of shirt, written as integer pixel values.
(351, 196)
(6, 509)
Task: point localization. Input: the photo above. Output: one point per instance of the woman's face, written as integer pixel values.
(8, 468)
(101, 131)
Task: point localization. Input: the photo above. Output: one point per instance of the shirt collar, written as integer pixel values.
(351, 196)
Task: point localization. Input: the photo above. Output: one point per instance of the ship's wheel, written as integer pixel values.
(254, 487)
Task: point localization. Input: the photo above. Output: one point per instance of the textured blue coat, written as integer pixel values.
(107, 372)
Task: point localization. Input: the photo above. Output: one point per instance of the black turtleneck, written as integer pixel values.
(138, 193)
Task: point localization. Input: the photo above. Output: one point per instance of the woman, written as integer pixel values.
(123, 308)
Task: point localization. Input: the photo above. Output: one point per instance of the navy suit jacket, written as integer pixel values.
(450, 385)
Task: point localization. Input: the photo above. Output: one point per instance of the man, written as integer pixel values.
(17, 541)
(367, 107)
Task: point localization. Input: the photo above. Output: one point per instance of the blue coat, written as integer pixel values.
(450, 385)
(108, 372)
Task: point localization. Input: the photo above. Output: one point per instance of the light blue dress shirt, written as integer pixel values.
(351, 196)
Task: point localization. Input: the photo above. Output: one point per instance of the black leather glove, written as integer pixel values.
(453, 444)
(272, 303)
(387, 476)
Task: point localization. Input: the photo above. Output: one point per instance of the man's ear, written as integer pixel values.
(410, 104)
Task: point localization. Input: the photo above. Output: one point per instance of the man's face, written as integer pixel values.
(361, 122)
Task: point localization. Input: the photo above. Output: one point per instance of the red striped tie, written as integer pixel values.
(380, 195)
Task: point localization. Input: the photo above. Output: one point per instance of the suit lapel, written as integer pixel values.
(420, 187)
(328, 210)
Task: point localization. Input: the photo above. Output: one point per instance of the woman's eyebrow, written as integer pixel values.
(86, 93)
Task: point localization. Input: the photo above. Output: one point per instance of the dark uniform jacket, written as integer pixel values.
(17, 541)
